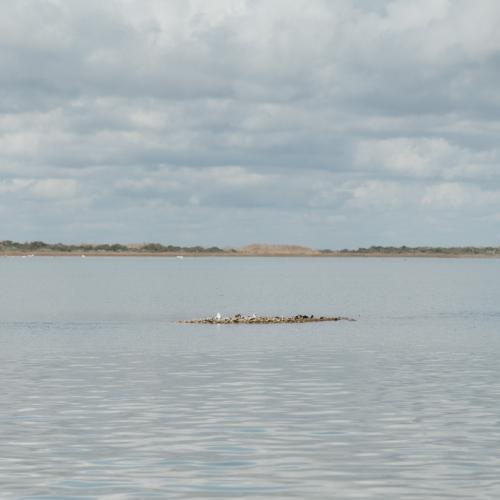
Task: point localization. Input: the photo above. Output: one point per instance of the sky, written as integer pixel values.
(326, 123)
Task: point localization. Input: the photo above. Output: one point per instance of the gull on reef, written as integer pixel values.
(218, 317)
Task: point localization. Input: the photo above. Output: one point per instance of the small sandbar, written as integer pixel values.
(238, 318)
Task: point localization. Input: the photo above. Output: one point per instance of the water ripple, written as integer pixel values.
(112, 399)
(232, 426)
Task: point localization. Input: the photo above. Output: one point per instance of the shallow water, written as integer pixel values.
(105, 396)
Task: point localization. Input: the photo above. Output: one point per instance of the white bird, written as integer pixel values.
(218, 317)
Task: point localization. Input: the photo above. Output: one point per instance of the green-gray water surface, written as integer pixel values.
(104, 395)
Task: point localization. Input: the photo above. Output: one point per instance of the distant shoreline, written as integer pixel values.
(42, 249)
(330, 255)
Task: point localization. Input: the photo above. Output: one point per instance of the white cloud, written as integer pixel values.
(380, 195)
(146, 184)
(14, 185)
(446, 195)
(425, 158)
(413, 157)
(454, 195)
(300, 111)
(231, 176)
(54, 189)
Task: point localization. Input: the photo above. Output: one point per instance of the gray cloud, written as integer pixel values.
(327, 123)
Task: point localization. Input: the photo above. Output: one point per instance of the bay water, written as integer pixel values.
(104, 395)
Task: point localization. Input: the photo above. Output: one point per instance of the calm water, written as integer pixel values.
(103, 395)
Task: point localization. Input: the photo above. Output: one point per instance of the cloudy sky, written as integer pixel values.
(329, 123)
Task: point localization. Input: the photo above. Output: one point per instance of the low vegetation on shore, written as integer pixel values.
(419, 251)
(40, 247)
(8, 247)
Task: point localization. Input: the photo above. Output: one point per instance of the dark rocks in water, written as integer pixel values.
(238, 318)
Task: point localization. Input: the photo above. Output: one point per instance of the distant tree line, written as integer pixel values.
(34, 246)
(405, 250)
(7, 246)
